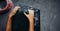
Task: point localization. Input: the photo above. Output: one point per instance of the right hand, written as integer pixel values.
(30, 16)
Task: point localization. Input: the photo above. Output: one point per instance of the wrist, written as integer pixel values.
(31, 20)
(10, 17)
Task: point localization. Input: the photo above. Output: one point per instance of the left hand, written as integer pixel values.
(13, 11)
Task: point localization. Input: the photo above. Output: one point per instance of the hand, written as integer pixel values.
(13, 11)
(30, 16)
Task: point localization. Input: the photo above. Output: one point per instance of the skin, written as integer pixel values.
(30, 16)
(13, 12)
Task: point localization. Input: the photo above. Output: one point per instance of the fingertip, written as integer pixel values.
(24, 13)
(31, 10)
(17, 7)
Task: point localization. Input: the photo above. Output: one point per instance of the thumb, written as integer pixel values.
(25, 14)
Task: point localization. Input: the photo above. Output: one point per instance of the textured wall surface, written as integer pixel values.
(49, 14)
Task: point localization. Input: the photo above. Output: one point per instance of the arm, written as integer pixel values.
(31, 26)
(8, 26)
(30, 16)
(13, 12)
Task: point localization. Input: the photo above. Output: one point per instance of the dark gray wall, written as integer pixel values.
(49, 14)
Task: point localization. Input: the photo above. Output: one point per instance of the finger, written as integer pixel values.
(31, 11)
(15, 9)
(25, 14)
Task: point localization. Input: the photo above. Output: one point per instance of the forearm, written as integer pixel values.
(8, 25)
(31, 26)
